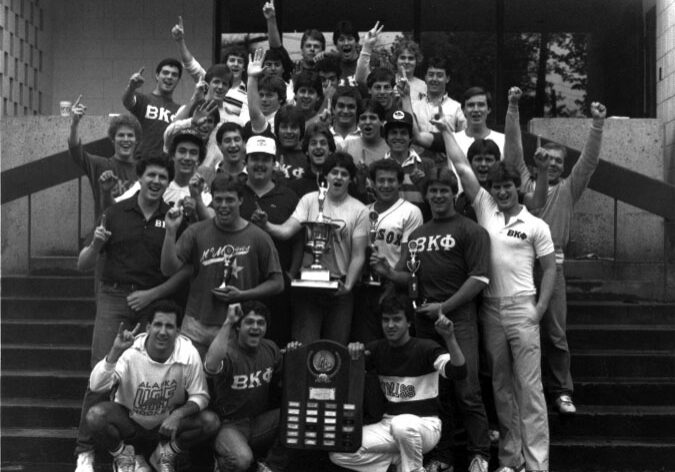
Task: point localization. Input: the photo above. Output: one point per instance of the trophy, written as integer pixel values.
(370, 278)
(413, 266)
(228, 262)
(318, 238)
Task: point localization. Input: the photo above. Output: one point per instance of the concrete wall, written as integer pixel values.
(636, 144)
(98, 44)
(665, 75)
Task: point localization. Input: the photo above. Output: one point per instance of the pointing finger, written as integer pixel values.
(103, 220)
(180, 21)
(140, 71)
(136, 329)
(120, 330)
(77, 102)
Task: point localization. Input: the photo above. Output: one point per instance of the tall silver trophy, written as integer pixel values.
(228, 264)
(369, 278)
(318, 241)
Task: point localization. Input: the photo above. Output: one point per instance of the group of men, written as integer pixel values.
(200, 231)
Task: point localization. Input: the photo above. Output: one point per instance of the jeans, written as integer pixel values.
(238, 441)
(467, 391)
(111, 310)
(512, 342)
(554, 339)
(401, 439)
(318, 314)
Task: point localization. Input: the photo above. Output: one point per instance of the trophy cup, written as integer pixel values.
(228, 262)
(413, 266)
(370, 278)
(318, 238)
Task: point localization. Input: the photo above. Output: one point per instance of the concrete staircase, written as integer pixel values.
(623, 365)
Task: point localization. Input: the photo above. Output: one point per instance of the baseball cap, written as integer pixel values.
(261, 144)
(398, 119)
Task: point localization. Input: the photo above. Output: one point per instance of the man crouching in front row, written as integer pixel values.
(408, 369)
(161, 395)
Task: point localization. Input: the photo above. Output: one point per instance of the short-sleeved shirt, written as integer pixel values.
(247, 381)
(155, 112)
(133, 251)
(515, 246)
(363, 153)
(93, 166)
(394, 226)
(203, 244)
(408, 374)
(279, 204)
(452, 112)
(349, 214)
(450, 251)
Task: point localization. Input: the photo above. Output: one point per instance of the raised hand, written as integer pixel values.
(78, 109)
(542, 159)
(402, 84)
(255, 67)
(514, 95)
(203, 111)
(234, 313)
(125, 338)
(136, 80)
(599, 113)
(196, 184)
(178, 32)
(371, 36)
(268, 10)
(101, 234)
(444, 326)
(174, 218)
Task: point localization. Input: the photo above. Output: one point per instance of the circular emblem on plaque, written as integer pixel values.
(323, 365)
(398, 115)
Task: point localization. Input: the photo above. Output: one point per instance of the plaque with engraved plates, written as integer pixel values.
(322, 398)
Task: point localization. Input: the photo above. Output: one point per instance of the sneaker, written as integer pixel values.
(85, 462)
(125, 461)
(478, 464)
(493, 434)
(262, 467)
(163, 458)
(506, 469)
(565, 405)
(434, 465)
(141, 464)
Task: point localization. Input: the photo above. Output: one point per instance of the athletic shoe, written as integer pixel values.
(506, 469)
(141, 464)
(125, 460)
(85, 462)
(163, 458)
(478, 464)
(565, 405)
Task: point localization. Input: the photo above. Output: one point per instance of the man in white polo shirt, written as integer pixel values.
(511, 312)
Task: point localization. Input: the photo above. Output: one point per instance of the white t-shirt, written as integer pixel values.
(394, 226)
(350, 215)
(513, 247)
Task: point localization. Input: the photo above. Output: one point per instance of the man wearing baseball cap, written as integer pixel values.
(398, 134)
(260, 193)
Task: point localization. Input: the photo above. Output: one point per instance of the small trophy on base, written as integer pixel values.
(318, 239)
(413, 266)
(228, 263)
(371, 279)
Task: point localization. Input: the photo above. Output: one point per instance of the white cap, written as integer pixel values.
(261, 144)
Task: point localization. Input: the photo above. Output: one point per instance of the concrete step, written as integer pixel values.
(48, 286)
(615, 312)
(607, 364)
(44, 384)
(38, 445)
(625, 391)
(616, 422)
(621, 336)
(45, 356)
(39, 413)
(34, 331)
(583, 454)
(52, 308)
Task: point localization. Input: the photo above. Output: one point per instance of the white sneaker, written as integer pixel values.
(506, 469)
(163, 458)
(565, 405)
(478, 464)
(141, 464)
(85, 462)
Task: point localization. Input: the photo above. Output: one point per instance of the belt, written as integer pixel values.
(123, 286)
